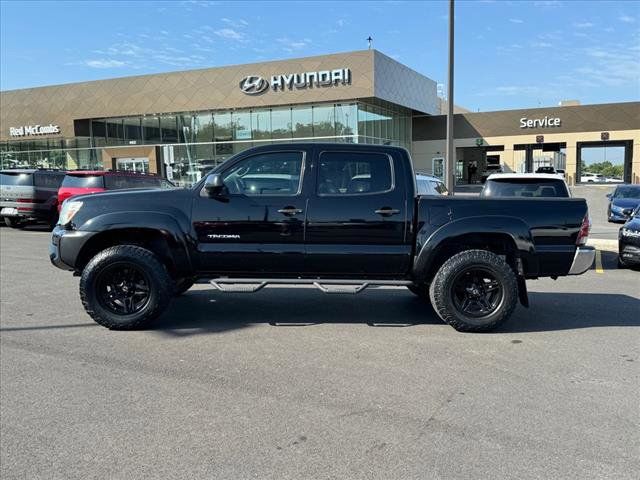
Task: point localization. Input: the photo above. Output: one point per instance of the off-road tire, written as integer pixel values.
(442, 295)
(182, 285)
(161, 287)
(421, 291)
(13, 223)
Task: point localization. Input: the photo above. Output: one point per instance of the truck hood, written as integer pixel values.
(125, 203)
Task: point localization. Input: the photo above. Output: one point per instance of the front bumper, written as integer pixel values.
(618, 217)
(65, 247)
(629, 253)
(582, 260)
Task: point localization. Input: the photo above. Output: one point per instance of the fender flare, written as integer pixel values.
(429, 243)
(168, 226)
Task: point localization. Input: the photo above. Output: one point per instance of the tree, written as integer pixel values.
(605, 168)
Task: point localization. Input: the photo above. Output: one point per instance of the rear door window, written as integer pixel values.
(16, 179)
(354, 173)
(83, 181)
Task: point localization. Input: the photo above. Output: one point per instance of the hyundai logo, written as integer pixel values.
(253, 85)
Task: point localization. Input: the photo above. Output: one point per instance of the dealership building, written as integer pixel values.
(180, 124)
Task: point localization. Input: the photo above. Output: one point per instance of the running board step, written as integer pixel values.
(251, 285)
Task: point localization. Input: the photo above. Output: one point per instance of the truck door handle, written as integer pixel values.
(289, 211)
(387, 211)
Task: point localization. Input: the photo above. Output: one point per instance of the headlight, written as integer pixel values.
(615, 208)
(69, 210)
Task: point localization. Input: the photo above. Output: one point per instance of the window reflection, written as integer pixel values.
(281, 123)
(261, 124)
(168, 127)
(323, 121)
(151, 130)
(132, 133)
(242, 126)
(223, 129)
(302, 122)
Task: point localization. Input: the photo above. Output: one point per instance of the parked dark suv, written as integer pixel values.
(29, 195)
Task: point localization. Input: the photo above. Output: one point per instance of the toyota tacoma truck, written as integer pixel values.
(341, 217)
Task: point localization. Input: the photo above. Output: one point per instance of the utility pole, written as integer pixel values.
(450, 156)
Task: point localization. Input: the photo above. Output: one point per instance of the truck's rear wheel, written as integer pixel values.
(474, 291)
(125, 287)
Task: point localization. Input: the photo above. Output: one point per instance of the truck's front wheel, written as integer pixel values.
(474, 291)
(125, 287)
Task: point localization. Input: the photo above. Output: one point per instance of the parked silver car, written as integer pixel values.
(29, 195)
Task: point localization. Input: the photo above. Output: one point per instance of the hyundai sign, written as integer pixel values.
(256, 85)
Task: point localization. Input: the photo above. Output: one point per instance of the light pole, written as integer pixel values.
(450, 158)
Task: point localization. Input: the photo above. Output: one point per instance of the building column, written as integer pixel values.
(571, 167)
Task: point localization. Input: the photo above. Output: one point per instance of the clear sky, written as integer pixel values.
(510, 54)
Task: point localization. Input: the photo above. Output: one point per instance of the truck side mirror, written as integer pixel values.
(609, 196)
(213, 184)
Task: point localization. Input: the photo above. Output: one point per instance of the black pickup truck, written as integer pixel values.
(341, 217)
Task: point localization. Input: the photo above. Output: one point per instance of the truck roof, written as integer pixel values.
(328, 146)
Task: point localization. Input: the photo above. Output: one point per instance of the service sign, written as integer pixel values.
(545, 122)
(29, 130)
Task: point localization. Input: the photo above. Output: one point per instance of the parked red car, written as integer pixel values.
(81, 182)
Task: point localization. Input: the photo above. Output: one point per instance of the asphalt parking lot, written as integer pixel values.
(296, 384)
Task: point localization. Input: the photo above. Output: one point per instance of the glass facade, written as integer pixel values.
(191, 143)
(69, 153)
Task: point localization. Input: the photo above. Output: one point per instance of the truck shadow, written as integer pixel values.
(204, 311)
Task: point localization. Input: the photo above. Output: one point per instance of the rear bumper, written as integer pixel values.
(24, 211)
(582, 260)
(618, 217)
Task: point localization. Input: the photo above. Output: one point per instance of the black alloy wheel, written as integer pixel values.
(123, 288)
(476, 292)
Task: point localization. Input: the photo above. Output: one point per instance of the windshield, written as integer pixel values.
(16, 179)
(525, 187)
(83, 181)
(627, 192)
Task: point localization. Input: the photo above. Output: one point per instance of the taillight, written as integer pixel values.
(583, 234)
(26, 200)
